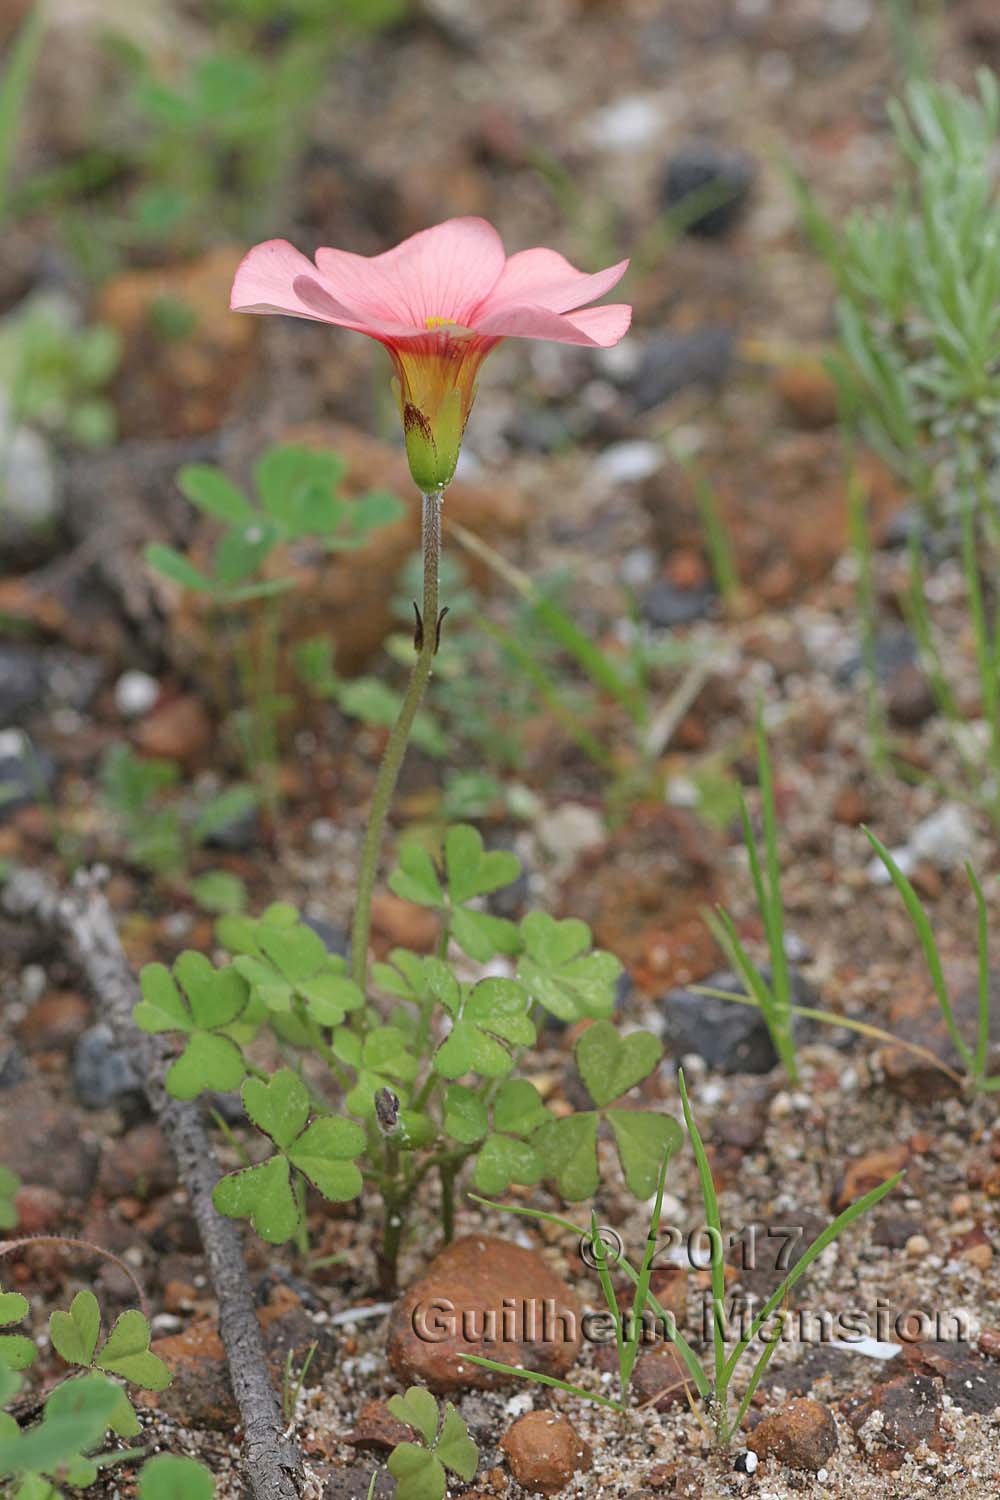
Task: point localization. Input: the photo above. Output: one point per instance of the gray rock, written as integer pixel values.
(731, 1038)
(27, 774)
(32, 504)
(22, 682)
(673, 362)
(712, 184)
(103, 1072)
(336, 939)
(666, 606)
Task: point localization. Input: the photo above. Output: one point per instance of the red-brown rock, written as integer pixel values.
(473, 1293)
(802, 1435)
(544, 1451)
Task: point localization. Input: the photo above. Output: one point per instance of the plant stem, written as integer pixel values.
(392, 760)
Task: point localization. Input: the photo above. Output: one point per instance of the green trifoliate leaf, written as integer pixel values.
(262, 1194)
(76, 1417)
(483, 936)
(280, 1107)
(284, 961)
(562, 973)
(418, 1474)
(503, 1160)
(215, 494)
(418, 1409)
(13, 1308)
(465, 1116)
(416, 879)
(518, 1108)
(9, 1185)
(171, 1476)
(491, 1015)
(126, 1352)
(203, 1003)
(403, 976)
(325, 1153)
(610, 1064)
(568, 1149)
(454, 1447)
(471, 870)
(643, 1139)
(207, 1062)
(74, 1334)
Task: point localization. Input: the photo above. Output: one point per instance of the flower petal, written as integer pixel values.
(598, 327)
(544, 278)
(265, 279)
(441, 273)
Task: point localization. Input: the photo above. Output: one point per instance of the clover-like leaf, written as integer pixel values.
(284, 961)
(610, 1064)
(518, 1108)
(562, 973)
(465, 1118)
(471, 870)
(643, 1140)
(16, 1350)
(9, 1185)
(568, 1149)
(126, 1352)
(203, 1003)
(76, 1416)
(502, 1160)
(416, 879)
(171, 1476)
(325, 1153)
(418, 1409)
(74, 1334)
(279, 1107)
(262, 1194)
(419, 1475)
(492, 1014)
(454, 1447)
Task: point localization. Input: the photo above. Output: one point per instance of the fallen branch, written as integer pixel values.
(82, 919)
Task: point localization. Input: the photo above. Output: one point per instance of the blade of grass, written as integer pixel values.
(756, 1377)
(723, 929)
(604, 1277)
(774, 911)
(536, 1375)
(983, 950)
(14, 93)
(928, 943)
(714, 1224)
(645, 1276)
(847, 1023)
(819, 1244)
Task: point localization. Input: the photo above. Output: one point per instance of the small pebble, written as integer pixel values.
(135, 694)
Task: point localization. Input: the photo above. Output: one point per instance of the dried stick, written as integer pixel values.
(82, 919)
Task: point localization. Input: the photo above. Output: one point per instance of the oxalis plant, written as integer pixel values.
(65, 1446)
(411, 1067)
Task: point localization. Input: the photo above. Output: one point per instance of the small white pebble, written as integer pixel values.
(135, 694)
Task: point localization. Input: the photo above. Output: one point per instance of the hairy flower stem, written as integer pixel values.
(426, 641)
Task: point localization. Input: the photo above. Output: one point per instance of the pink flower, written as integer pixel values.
(439, 302)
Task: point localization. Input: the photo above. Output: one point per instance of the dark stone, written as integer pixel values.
(542, 429)
(103, 1073)
(894, 650)
(336, 939)
(910, 697)
(354, 1481)
(25, 778)
(730, 1037)
(673, 362)
(666, 606)
(22, 682)
(238, 836)
(13, 1066)
(970, 1379)
(910, 1415)
(893, 1230)
(722, 181)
